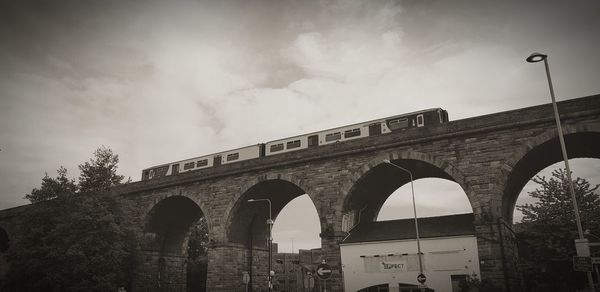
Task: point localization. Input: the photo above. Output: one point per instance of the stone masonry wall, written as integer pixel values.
(478, 153)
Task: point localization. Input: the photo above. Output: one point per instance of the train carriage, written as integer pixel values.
(356, 131)
(382, 126)
(216, 159)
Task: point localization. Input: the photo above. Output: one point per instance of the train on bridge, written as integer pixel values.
(382, 126)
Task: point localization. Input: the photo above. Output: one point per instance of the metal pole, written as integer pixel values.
(564, 151)
(269, 241)
(536, 57)
(412, 188)
(568, 169)
(270, 223)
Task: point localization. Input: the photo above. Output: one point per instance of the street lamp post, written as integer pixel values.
(538, 57)
(270, 242)
(414, 211)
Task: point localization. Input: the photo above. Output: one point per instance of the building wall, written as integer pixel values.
(442, 257)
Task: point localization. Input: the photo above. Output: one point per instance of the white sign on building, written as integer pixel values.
(389, 267)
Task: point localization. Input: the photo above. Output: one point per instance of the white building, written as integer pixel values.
(382, 256)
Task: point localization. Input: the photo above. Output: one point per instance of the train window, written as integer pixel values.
(398, 123)
(151, 174)
(188, 165)
(293, 144)
(333, 136)
(420, 121)
(201, 163)
(233, 156)
(277, 147)
(352, 133)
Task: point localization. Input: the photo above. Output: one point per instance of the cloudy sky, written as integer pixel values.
(160, 81)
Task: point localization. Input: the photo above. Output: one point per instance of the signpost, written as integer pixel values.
(246, 279)
(582, 264)
(421, 278)
(324, 273)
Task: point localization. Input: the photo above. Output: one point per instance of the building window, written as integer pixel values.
(456, 280)
(233, 156)
(333, 136)
(293, 144)
(277, 147)
(352, 133)
(201, 163)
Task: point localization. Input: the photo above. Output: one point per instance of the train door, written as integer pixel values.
(313, 141)
(420, 121)
(374, 129)
(175, 169)
(217, 160)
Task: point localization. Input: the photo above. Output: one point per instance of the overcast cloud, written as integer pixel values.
(161, 81)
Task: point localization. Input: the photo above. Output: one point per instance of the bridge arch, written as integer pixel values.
(246, 223)
(167, 229)
(582, 141)
(171, 219)
(377, 180)
(246, 227)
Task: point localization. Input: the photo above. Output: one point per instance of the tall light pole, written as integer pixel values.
(538, 57)
(270, 241)
(412, 188)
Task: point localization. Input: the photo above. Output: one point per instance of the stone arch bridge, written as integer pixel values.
(491, 157)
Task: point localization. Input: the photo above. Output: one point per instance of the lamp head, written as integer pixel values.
(536, 57)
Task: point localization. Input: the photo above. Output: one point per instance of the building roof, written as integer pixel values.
(429, 227)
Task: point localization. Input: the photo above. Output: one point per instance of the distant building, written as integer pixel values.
(291, 270)
(382, 256)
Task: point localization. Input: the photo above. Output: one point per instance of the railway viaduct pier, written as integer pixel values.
(491, 157)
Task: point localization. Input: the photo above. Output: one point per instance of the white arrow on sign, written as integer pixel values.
(322, 271)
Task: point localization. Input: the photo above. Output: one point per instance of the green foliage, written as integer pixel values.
(78, 238)
(197, 264)
(100, 173)
(53, 188)
(548, 230)
(198, 240)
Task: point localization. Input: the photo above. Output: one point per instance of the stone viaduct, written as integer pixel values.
(491, 157)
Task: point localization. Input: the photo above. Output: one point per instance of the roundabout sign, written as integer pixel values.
(421, 278)
(323, 271)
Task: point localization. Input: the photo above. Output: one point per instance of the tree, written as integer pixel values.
(53, 188)
(100, 173)
(548, 230)
(79, 237)
(197, 264)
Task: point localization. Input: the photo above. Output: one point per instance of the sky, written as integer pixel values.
(160, 81)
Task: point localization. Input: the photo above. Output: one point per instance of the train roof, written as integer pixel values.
(361, 123)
